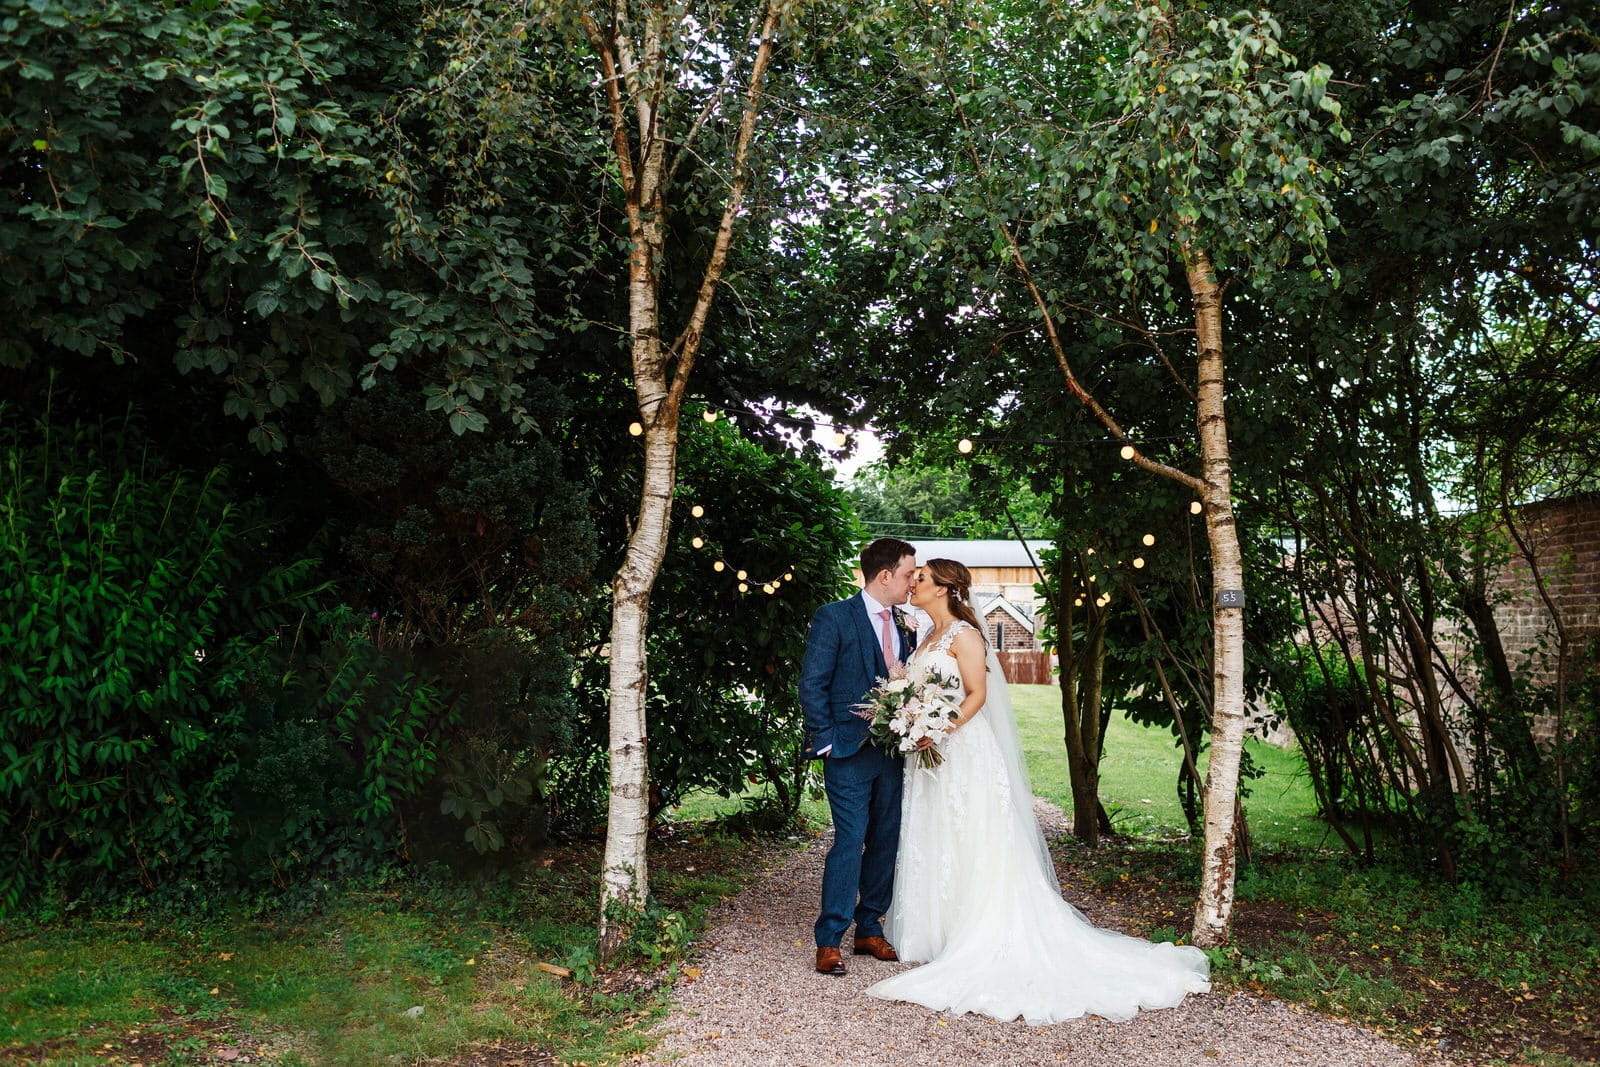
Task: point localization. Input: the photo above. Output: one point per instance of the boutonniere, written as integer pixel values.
(905, 623)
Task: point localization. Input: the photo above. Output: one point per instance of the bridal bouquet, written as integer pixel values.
(905, 708)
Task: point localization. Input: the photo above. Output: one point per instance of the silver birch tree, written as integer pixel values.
(641, 51)
(1198, 140)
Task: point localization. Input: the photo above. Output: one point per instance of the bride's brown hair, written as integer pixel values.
(957, 581)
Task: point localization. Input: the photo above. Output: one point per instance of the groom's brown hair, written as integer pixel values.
(884, 554)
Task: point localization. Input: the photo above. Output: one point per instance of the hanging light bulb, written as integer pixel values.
(1138, 561)
(743, 575)
(769, 589)
(719, 566)
(964, 446)
(840, 439)
(709, 415)
(743, 588)
(1078, 603)
(788, 576)
(1127, 451)
(1090, 552)
(635, 428)
(697, 511)
(1149, 539)
(1195, 507)
(698, 542)
(1094, 577)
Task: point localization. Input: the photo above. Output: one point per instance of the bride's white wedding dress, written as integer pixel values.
(976, 895)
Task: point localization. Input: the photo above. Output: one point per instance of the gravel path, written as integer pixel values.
(758, 1001)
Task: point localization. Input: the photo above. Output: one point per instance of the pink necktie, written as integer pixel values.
(890, 657)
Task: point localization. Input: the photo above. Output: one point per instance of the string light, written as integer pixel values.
(840, 439)
(635, 428)
(1127, 451)
(709, 415)
(1195, 507)
(964, 446)
(1138, 562)
(1149, 539)
(720, 565)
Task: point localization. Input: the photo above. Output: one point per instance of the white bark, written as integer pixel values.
(625, 880)
(1214, 909)
(661, 375)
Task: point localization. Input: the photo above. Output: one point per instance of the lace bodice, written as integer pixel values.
(942, 646)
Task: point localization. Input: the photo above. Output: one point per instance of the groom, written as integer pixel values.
(853, 643)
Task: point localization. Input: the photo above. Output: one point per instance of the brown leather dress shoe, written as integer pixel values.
(876, 947)
(829, 961)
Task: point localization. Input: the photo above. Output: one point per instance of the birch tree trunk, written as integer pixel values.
(1152, 176)
(635, 71)
(1214, 908)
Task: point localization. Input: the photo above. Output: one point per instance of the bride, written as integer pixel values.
(975, 892)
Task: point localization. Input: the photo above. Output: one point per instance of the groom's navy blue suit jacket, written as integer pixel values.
(843, 660)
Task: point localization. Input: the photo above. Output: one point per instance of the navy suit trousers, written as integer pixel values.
(864, 794)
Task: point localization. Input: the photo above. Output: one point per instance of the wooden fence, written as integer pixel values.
(1026, 667)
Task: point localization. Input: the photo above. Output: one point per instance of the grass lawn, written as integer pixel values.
(343, 985)
(1139, 775)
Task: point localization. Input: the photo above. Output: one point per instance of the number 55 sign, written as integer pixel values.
(1230, 598)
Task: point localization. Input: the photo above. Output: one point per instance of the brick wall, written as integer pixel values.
(1012, 635)
(1564, 536)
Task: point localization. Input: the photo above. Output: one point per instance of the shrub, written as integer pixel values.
(175, 704)
(478, 552)
(121, 613)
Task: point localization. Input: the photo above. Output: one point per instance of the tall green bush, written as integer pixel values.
(477, 551)
(160, 716)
